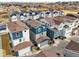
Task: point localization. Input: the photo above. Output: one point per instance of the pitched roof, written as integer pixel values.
(47, 53)
(54, 29)
(22, 45)
(17, 26)
(33, 23)
(49, 20)
(60, 19)
(54, 20)
(42, 39)
(73, 15)
(73, 46)
(76, 15)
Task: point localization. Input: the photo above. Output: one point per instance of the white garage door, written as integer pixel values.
(23, 51)
(43, 43)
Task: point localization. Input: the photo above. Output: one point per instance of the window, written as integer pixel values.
(19, 40)
(75, 25)
(17, 34)
(69, 29)
(77, 21)
(13, 51)
(66, 26)
(42, 33)
(44, 27)
(39, 29)
(23, 39)
(48, 24)
(25, 30)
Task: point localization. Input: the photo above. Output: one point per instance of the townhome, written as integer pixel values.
(23, 16)
(42, 14)
(36, 15)
(20, 43)
(72, 49)
(64, 23)
(38, 33)
(58, 13)
(30, 15)
(76, 22)
(70, 23)
(53, 24)
(14, 16)
(48, 21)
(49, 13)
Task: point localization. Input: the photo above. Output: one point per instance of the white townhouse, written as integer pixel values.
(20, 42)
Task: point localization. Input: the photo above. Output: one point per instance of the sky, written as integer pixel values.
(35, 0)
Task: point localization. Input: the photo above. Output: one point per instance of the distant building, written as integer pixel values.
(72, 49)
(19, 38)
(49, 13)
(14, 16)
(38, 32)
(42, 14)
(58, 13)
(23, 16)
(36, 15)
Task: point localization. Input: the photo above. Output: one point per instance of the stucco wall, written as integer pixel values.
(23, 52)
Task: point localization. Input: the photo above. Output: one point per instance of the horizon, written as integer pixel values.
(38, 1)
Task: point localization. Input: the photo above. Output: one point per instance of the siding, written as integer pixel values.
(50, 33)
(56, 34)
(26, 35)
(62, 32)
(36, 36)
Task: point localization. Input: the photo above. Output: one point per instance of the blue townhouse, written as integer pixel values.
(38, 33)
(54, 33)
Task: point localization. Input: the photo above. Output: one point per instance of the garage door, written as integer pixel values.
(43, 43)
(23, 51)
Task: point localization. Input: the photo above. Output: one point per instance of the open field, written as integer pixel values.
(71, 11)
